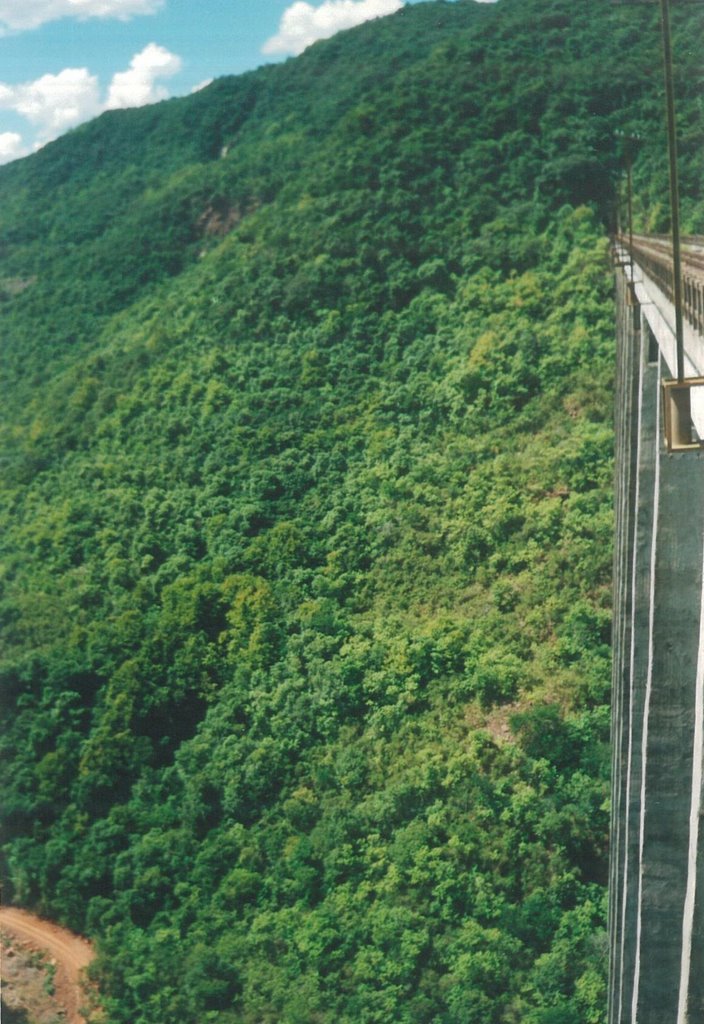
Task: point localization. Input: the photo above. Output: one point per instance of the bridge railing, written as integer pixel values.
(655, 257)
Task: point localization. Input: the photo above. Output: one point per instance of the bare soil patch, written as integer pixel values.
(43, 969)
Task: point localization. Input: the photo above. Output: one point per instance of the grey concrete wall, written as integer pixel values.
(626, 425)
(657, 859)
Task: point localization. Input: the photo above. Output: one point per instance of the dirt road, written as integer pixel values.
(70, 953)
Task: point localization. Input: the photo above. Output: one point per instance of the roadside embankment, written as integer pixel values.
(43, 967)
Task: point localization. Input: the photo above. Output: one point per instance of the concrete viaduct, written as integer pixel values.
(657, 847)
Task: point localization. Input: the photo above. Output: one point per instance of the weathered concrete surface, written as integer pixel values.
(626, 494)
(657, 866)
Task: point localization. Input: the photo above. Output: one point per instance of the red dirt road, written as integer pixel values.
(71, 954)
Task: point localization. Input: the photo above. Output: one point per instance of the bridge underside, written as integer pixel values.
(657, 859)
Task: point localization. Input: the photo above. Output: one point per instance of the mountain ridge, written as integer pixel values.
(306, 517)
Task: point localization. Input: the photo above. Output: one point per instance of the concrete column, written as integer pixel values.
(657, 858)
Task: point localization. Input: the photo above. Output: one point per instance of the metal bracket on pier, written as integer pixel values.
(680, 433)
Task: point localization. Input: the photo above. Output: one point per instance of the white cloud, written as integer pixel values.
(11, 147)
(301, 23)
(138, 85)
(54, 103)
(26, 14)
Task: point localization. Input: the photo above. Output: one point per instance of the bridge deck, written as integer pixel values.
(654, 255)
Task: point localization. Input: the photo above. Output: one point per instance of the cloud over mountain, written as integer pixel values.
(138, 85)
(11, 146)
(54, 103)
(302, 24)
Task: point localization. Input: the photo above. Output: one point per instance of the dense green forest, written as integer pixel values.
(306, 519)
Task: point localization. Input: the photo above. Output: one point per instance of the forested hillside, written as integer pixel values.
(306, 517)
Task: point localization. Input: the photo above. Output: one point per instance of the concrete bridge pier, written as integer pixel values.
(657, 854)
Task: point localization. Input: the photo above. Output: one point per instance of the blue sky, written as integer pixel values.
(65, 61)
